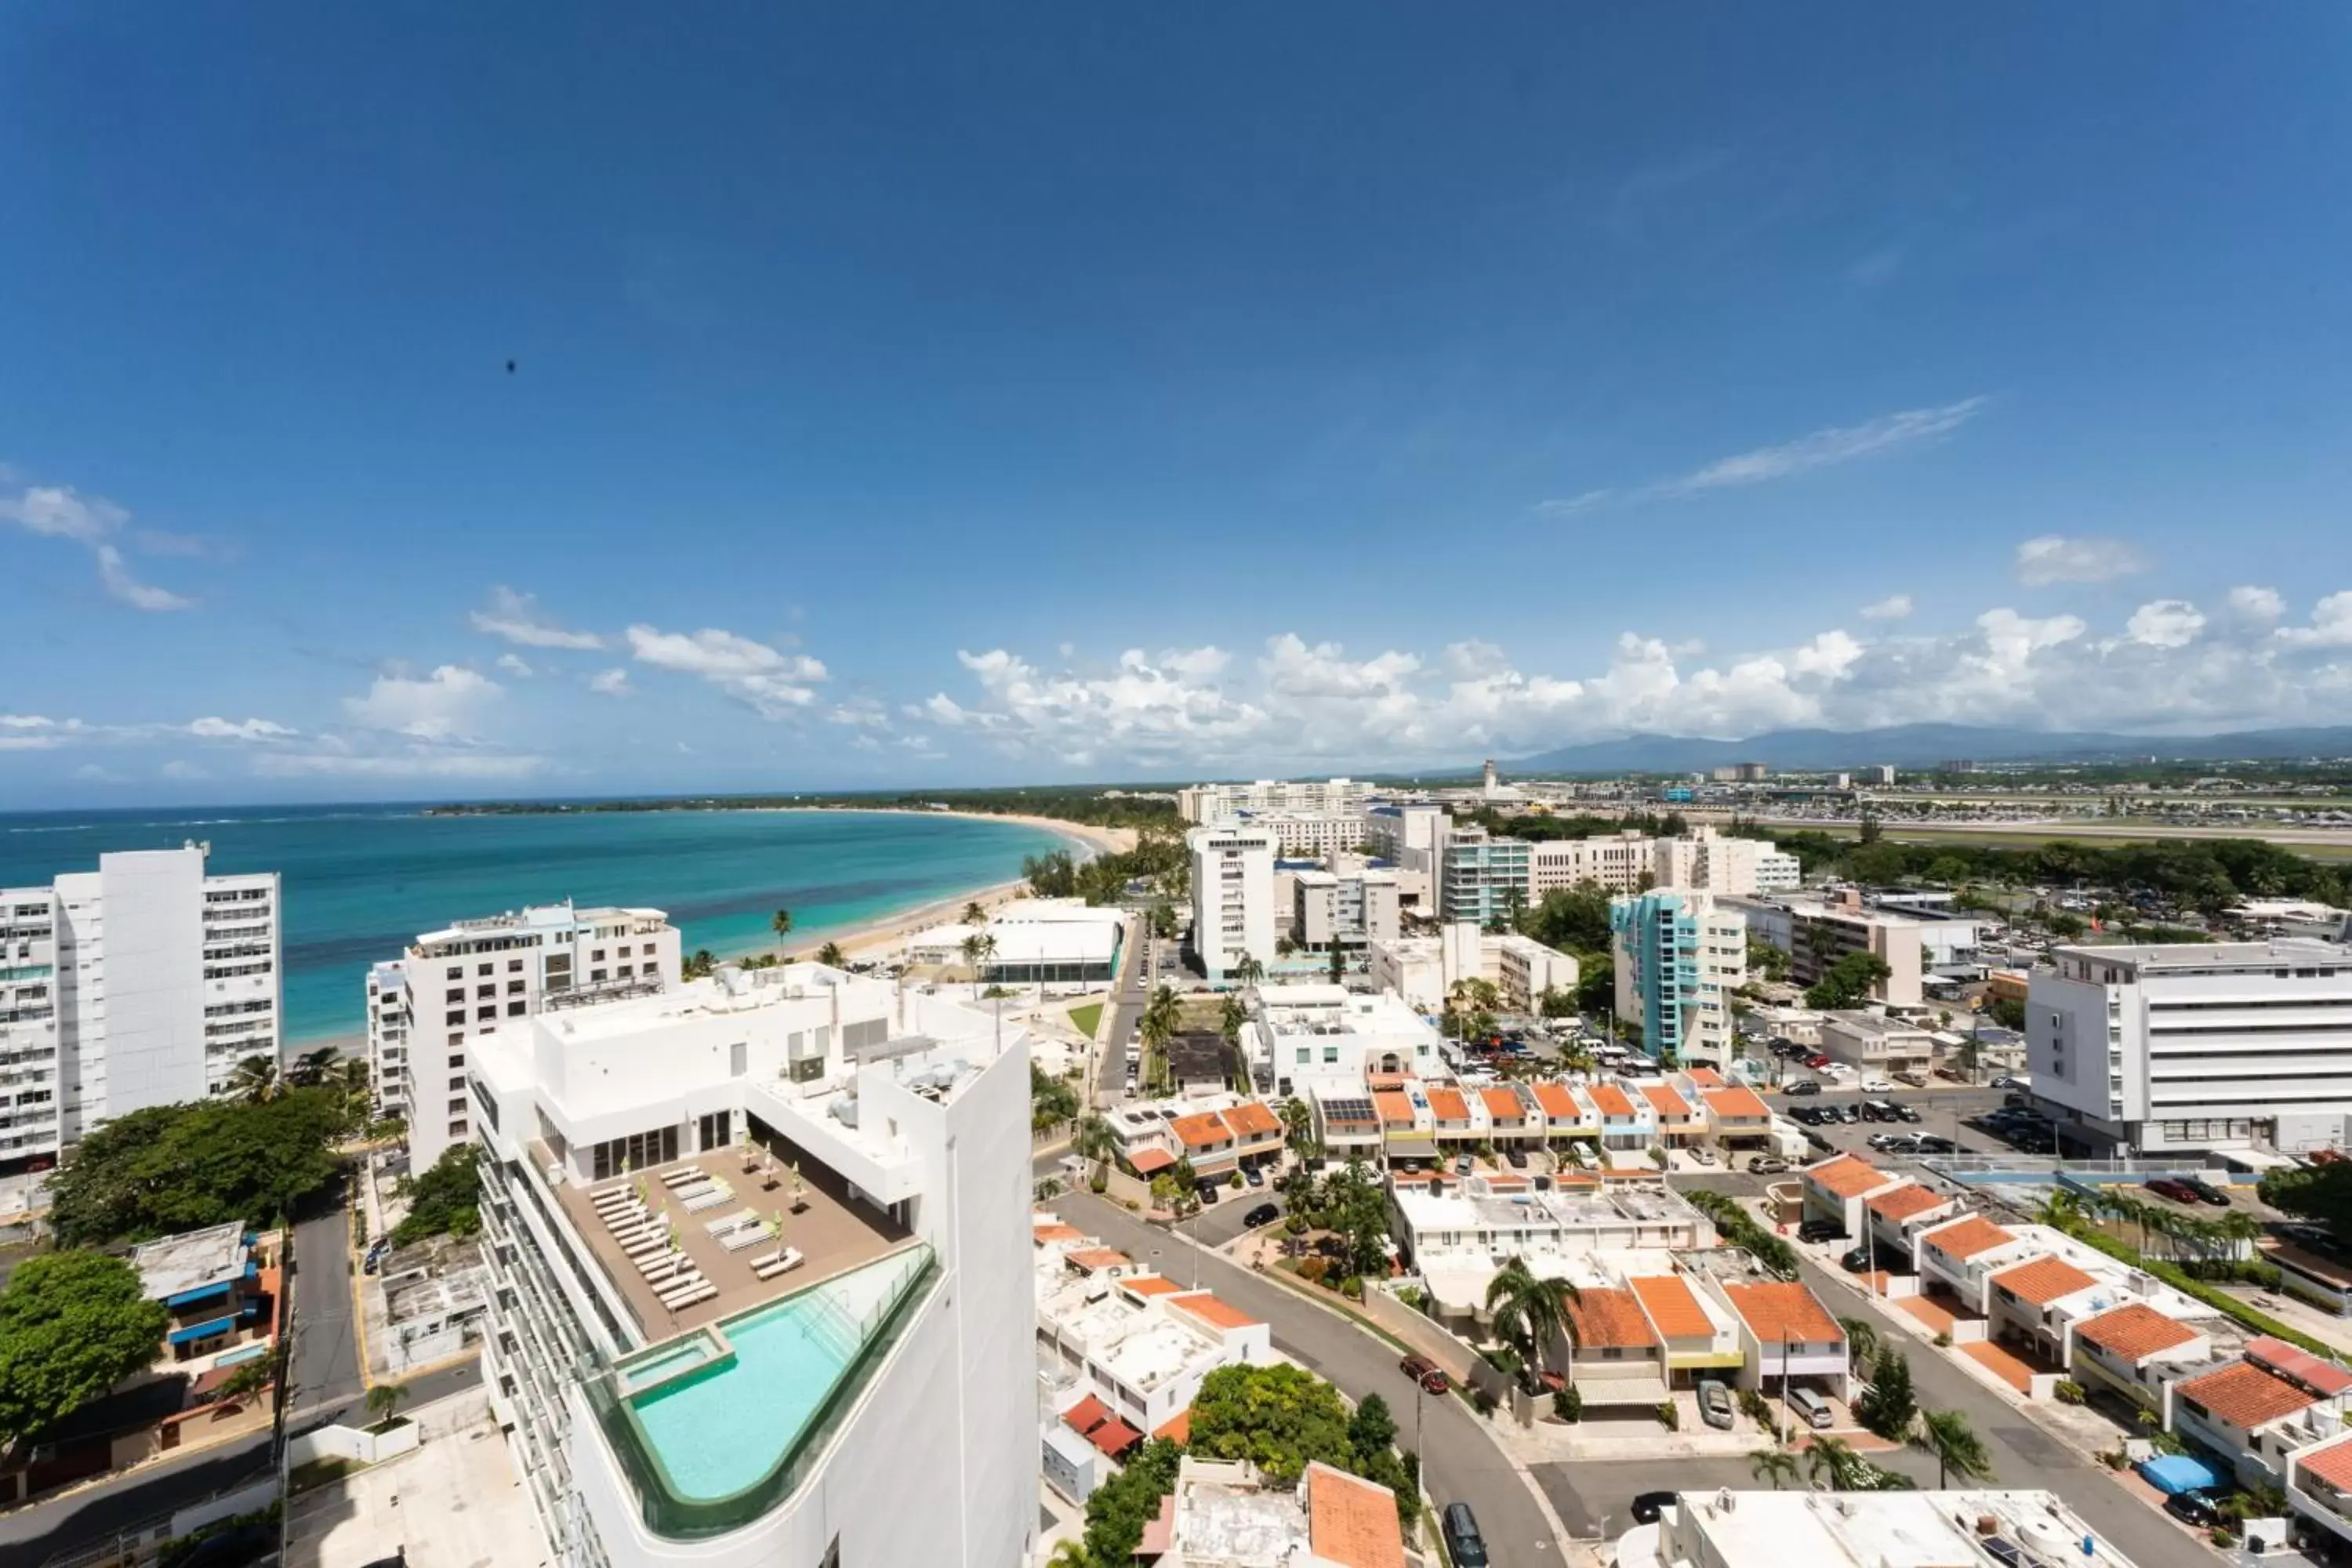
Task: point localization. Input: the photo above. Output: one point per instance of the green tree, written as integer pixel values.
(1529, 1310)
(1093, 1140)
(312, 1068)
(1121, 1506)
(168, 1168)
(1958, 1450)
(1861, 1342)
(781, 922)
(1765, 960)
(446, 1199)
(1834, 1462)
(72, 1325)
(255, 1079)
(973, 915)
(1278, 1416)
(1573, 919)
(1848, 982)
(1774, 1465)
(832, 957)
(1052, 1100)
(1371, 1429)
(1157, 1027)
(383, 1401)
(700, 964)
(1888, 1405)
(1596, 982)
(2321, 1192)
(1248, 971)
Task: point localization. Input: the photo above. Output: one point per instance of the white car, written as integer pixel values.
(1837, 1070)
(1877, 1086)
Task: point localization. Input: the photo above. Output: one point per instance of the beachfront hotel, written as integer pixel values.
(143, 983)
(452, 984)
(761, 1279)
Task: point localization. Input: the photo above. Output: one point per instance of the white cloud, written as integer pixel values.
(1575, 505)
(613, 682)
(1826, 448)
(444, 706)
(2056, 558)
(59, 511)
(2331, 624)
(771, 682)
(260, 729)
(512, 615)
(419, 764)
(2166, 623)
(860, 712)
(514, 666)
(1893, 608)
(2257, 603)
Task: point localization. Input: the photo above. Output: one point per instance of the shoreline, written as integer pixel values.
(861, 937)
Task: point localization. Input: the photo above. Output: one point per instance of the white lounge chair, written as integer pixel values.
(735, 1220)
(746, 1236)
(709, 1198)
(701, 1293)
(683, 1176)
(665, 1266)
(646, 1246)
(689, 1285)
(783, 1263)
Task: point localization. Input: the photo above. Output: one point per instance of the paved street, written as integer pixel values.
(1127, 998)
(1461, 1463)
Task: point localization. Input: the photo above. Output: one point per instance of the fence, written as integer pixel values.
(353, 1443)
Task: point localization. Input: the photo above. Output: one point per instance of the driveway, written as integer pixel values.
(1460, 1462)
(1126, 1004)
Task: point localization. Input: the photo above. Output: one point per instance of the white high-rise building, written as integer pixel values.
(1233, 897)
(1679, 957)
(1730, 867)
(1349, 906)
(2194, 1047)
(143, 983)
(1620, 862)
(451, 985)
(762, 1291)
(1211, 803)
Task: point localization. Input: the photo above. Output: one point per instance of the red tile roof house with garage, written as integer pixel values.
(2257, 1411)
(1836, 1188)
(2135, 1351)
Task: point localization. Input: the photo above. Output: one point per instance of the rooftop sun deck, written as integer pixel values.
(832, 1234)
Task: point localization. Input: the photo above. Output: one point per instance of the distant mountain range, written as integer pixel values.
(1925, 745)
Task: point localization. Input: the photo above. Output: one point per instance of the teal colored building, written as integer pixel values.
(1678, 960)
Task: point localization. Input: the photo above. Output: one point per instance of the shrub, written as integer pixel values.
(1670, 1416)
(1755, 1406)
(1312, 1269)
(1236, 1183)
(1567, 1405)
(1943, 1340)
(1352, 1288)
(1482, 1401)
(2068, 1391)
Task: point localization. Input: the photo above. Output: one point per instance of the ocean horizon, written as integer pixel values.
(361, 881)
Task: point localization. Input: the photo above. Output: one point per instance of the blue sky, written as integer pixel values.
(924, 394)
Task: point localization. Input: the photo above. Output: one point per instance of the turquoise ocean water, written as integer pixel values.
(360, 882)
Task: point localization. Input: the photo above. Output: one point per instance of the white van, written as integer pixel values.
(1811, 1406)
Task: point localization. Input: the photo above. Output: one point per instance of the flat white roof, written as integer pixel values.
(192, 1261)
(1878, 1530)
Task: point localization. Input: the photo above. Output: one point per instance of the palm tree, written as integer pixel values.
(1531, 1311)
(978, 949)
(311, 1067)
(2062, 1210)
(1093, 1140)
(973, 915)
(831, 956)
(1833, 1459)
(1297, 1119)
(384, 1399)
(781, 922)
(1157, 1025)
(1249, 971)
(1230, 1016)
(255, 1079)
(1861, 1342)
(1958, 1449)
(1774, 1465)
(695, 968)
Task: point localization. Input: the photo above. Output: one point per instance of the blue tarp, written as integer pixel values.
(2174, 1473)
(202, 1330)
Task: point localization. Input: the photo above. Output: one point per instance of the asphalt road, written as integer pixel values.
(1127, 1000)
(1460, 1462)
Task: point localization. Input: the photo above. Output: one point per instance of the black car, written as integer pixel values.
(1265, 1214)
(1515, 1158)
(1462, 1541)
(1848, 1114)
(1817, 1230)
(1254, 1176)
(1647, 1506)
(1208, 1191)
(1908, 1112)
(1855, 1260)
(1803, 1086)
(2206, 1191)
(2191, 1508)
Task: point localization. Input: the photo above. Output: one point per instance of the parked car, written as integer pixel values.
(2166, 1186)
(1908, 1112)
(1462, 1541)
(1848, 1114)
(1877, 1086)
(1702, 1154)
(1515, 1158)
(1855, 1260)
(1265, 1214)
(1818, 1060)
(1767, 1165)
(2193, 1507)
(1462, 1166)
(1208, 1191)
(1647, 1506)
(1803, 1086)
(1714, 1403)
(1819, 1230)
(1936, 1143)
(2009, 1081)
(1915, 1079)
(1254, 1176)
(2206, 1191)
(1424, 1372)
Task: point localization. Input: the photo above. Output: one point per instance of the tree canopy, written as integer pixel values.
(1574, 920)
(445, 1200)
(1121, 1506)
(72, 1325)
(1278, 1416)
(2321, 1192)
(169, 1168)
(1847, 982)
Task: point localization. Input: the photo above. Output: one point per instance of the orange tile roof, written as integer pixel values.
(1099, 1258)
(1387, 1079)
(1216, 1313)
(1672, 1308)
(1784, 1311)
(2244, 1395)
(1905, 1202)
(1502, 1105)
(1704, 1077)
(1558, 1104)
(1847, 1176)
(1964, 1238)
(1395, 1110)
(2134, 1332)
(1054, 1230)
(2324, 1378)
(1147, 1160)
(1610, 1318)
(1200, 1131)
(1736, 1102)
(1177, 1428)
(1114, 1436)
(2044, 1280)
(2332, 1464)
(1351, 1522)
(1447, 1105)
(1612, 1099)
(1664, 1101)
(1251, 1120)
(1151, 1285)
(1086, 1415)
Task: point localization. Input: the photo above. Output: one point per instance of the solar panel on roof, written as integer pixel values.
(1350, 1110)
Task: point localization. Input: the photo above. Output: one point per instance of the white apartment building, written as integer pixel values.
(1735, 867)
(1423, 970)
(761, 1279)
(452, 984)
(143, 983)
(1307, 1035)
(1815, 932)
(1348, 907)
(1059, 945)
(2194, 1047)
(1297, 834)
(1233, 897)
(1212, 803)
(1620, 862)
(1727, 1529)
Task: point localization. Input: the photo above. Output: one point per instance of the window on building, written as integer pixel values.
(454, 994)
(517, 1009)
(455, 972)
(514, 966)
(738, 1058)
(484, 968)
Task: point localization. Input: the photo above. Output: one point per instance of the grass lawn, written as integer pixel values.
(1084, 1016)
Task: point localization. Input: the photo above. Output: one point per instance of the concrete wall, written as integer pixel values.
(353, 1444)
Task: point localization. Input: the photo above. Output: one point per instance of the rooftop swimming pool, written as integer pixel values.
(720, 1410)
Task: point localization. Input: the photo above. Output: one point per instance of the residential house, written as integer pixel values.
(1787, 1337)
(1836, 1188)
(1700, 1336)
(2135, 1351)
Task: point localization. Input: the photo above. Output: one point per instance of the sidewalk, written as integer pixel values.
(454, 1501)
